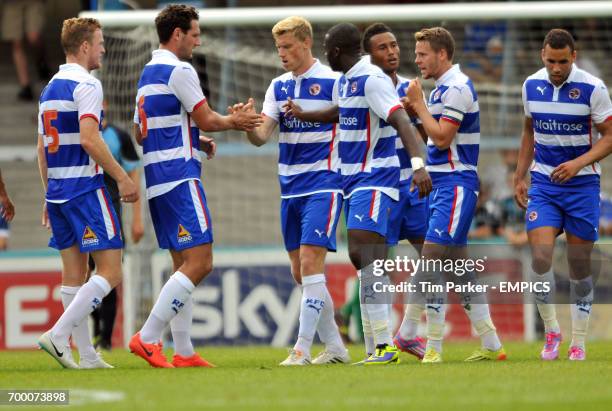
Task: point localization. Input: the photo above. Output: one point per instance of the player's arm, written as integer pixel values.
(441, 132)
(415, 118)
(8, 209)
(209, 120)
(382, 99)
(260, 135)
(92, 143)
(601, 114)
(328, 115)
(401, 122)
(42, 168)
(88, 98)
(525, 158)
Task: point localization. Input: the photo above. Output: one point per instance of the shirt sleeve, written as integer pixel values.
(185, 85)
(456, 102)
(270, 107)
(41, 130)
(88, 97)
(601, 107)
(381, 96)
(136, 115)
(525, 103)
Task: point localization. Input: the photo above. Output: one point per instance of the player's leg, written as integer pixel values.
(544, 220)
(413, 227)
(74, 268)
(87, 219)
(367, 216)
(182, 224)
(581, 223)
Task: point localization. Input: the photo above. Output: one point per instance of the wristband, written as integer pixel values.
(416, 163)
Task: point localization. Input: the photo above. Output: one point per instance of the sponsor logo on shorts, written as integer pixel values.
(314, 90)
(183, 236)
(533, 216)
(574, 93)
(89, 237)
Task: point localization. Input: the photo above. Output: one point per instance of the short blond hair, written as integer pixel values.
(77, 30)
(438, 38)
(298, 26)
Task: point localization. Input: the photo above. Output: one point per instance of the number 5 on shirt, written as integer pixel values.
(143, 116)
(51, 131)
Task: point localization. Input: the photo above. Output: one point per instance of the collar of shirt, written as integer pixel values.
(569, 78)
(164, 53)
(73, 66)
(449, 73)
(310, 70)
(365, 60)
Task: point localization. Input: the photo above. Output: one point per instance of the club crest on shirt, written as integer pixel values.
(533, 216)
(89, 237)
(183, 236)
(437, 95)
(354, 87)
(314, 90)
(574, 93)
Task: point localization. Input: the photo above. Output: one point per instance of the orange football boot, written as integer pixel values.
(194, 361)
(151, 353)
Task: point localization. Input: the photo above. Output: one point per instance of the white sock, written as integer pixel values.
(171, 300)
(87, 299)
(410, 322)
(368, 337)
(376, 306)
(436, 315)
(313, 301)
(80, 334)
(180, 326)
(327, 327)
(480, 317)
(582, 302)
(545, 301)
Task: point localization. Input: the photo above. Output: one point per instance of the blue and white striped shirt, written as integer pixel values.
(168, 90)
(71, 95)
(454, 99)
(367, 142)
(308, 151)
(562, 120)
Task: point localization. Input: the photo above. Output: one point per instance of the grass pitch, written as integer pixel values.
(248, 378)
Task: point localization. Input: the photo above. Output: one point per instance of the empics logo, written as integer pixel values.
(183, 236)
(89, 237)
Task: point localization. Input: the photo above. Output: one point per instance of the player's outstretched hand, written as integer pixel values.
(244, 116)
(45, 217)
(127, 190)
(520, 193)
(208, 145)
(422, 181)
(292, 109)
(7, 208)
(563, 172)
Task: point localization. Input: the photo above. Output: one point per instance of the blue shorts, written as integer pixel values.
(368, 210)
(88, 219)
(451, 210)
(408, 217)
(4, 226)
(181, 218)
(310, 220)
(574, 212)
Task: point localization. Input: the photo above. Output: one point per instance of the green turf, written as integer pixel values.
(248, 378)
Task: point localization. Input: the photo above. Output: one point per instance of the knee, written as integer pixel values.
(541, 263)
(355, 256)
